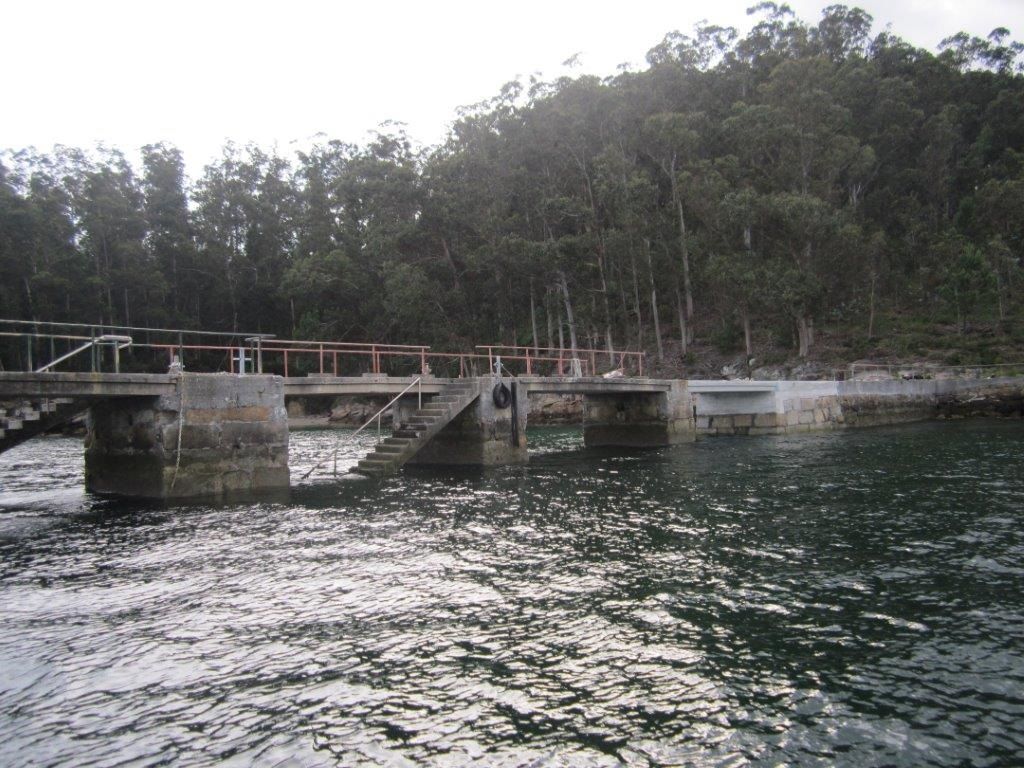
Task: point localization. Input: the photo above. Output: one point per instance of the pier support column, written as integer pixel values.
(483, 435)
(234, 438)
(639, 419)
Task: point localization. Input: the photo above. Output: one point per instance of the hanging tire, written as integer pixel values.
(502, 396)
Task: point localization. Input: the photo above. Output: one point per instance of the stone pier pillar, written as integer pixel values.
(483, 434)
(639, 419)
(234, 438)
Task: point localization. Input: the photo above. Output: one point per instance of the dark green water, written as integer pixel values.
(851, 598)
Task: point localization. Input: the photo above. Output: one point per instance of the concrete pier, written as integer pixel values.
(211, 435)
(233, 438)
(639, 419)
(783, 407)
(483, 435)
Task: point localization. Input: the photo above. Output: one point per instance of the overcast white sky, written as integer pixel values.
(194, 74)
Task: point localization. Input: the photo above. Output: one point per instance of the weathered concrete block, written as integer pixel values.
(641, 419)
(743, 420)
(234, 438)
(805, 417)
(765, 420)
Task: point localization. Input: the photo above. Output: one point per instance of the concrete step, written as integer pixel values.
(11, 424)
(425, 421)
(393, 452)
(28, 414)
(374, 466)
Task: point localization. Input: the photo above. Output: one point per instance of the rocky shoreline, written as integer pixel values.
(346, 412)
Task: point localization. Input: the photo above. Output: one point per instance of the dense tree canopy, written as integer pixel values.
(737, 189)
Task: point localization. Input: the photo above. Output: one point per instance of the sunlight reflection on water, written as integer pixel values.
(853, 597)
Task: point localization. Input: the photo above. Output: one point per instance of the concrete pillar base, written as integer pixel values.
(639, 420)
(234, 439)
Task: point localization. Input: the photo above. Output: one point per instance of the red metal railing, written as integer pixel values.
(529, 354)
(31, 343)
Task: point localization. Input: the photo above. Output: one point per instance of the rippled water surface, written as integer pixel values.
(846, 598)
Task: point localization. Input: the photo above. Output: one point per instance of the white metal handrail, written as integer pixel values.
(116, 342)
(419, 394)
(417, 382)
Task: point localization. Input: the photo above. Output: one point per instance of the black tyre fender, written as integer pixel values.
(502, 396)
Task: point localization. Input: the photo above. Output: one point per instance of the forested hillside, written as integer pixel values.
(760, 194)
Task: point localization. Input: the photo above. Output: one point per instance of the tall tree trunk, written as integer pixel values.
(548, 317)
(686, 261)
(568, 310)
(28, 296)
(803, 335)
(533, 317)
(601, 267)
(636, 302)
(561, 324)
(999, 293)
(871, 307)
(654, 300)
(684, 336)
(746, 334)
(684, 332)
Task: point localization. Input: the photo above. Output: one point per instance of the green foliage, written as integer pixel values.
(728, 338)
(967, 282)
(766, 184)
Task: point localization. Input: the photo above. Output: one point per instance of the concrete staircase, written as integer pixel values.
(24, 420)
(417, 430)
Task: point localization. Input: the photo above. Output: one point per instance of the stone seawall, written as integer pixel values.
(784, 407)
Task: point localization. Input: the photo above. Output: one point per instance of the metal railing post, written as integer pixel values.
(321, 359)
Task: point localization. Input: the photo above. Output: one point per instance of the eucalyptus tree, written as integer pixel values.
(169, 236)
(107, 202)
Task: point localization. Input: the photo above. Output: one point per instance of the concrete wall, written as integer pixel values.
(234, 437)
(639, 419)
(802, 406)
